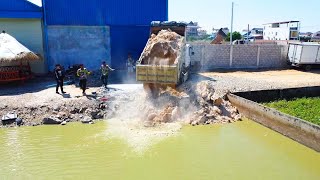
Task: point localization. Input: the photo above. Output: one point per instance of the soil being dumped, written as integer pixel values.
(163, 48)
(196, 104)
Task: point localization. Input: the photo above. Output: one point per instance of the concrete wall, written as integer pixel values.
(297, 129)
(29, 33)
(88, 45)
(209, 57)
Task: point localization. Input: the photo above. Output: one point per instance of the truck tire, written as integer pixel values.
(307, 67)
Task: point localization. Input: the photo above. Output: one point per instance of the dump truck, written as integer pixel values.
(149, 68)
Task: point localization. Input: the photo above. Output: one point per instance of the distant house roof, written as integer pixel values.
(283, 22)
(20, 9)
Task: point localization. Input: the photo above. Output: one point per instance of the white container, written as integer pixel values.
(304, 54)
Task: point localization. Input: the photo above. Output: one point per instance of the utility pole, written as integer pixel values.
(231, 23)
(248, 34)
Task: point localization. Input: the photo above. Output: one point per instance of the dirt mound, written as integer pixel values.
(212, 107)
(163, 49)
(195, 104)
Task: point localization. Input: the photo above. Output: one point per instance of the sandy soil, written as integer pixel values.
(284, 78)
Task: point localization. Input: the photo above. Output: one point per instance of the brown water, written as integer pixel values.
(244, 150)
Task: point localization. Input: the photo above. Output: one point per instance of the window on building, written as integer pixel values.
(276, 33)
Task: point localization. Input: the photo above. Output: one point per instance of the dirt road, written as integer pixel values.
(259, 80)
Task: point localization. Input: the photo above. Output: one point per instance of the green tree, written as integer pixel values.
(235, 36)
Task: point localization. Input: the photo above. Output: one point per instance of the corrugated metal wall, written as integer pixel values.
(127, 39)
(129, 21)
(105, 12)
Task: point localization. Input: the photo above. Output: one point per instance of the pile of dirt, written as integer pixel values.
(196, 104)
(163, 49)
(213, 108)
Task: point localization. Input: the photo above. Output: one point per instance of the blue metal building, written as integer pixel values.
(89, 31)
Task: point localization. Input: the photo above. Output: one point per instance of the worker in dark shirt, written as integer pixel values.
(59, 75)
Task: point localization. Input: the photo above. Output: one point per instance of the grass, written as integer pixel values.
(304, 108)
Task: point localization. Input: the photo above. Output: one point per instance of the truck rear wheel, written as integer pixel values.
(307, 67)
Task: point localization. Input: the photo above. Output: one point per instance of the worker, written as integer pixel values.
(59, 76)
(83, 73)
(105, 73)
(130, 63)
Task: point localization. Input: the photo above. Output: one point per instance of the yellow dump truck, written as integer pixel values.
(153, 76)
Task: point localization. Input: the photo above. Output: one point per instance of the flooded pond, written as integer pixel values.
(243, 150)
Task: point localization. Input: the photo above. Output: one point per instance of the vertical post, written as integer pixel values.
(231, 55)
(258, 56)
(231, 23)
(248, 34)
(299, 26)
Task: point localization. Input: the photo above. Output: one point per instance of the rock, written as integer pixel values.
(19, 121)
(202, 120)
(64, 123)
(86, 120)
(214, 110)
(151, 116)
(194, 123)
(35, 124)
(166, 118)
(238, 117)
(56, 108)
(94, 113)
(218, 101)
(51, 120)
(175, 113)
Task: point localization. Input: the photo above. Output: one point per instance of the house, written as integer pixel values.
(219, 37)
(225, 30)
(287, 30)
(315, 37)
(192, 29)
(23, 20)
(202, 33)
(254, 34)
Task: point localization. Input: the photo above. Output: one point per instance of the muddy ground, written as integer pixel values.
(36, 100)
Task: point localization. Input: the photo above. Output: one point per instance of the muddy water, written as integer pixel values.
(244, 150)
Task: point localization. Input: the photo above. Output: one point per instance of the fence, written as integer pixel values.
(208, 57)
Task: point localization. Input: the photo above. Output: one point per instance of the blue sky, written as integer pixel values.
(217, 14)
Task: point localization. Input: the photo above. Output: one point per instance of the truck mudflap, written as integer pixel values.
(157, 74)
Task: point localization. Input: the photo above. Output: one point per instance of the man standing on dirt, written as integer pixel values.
(59, 75)
(83, 75)
(105, 73)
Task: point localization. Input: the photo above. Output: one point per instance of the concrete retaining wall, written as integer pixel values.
(208, 57)
(297, 129)
(87, 45)
(273, 95)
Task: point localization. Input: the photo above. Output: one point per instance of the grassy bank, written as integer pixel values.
(304, 108)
